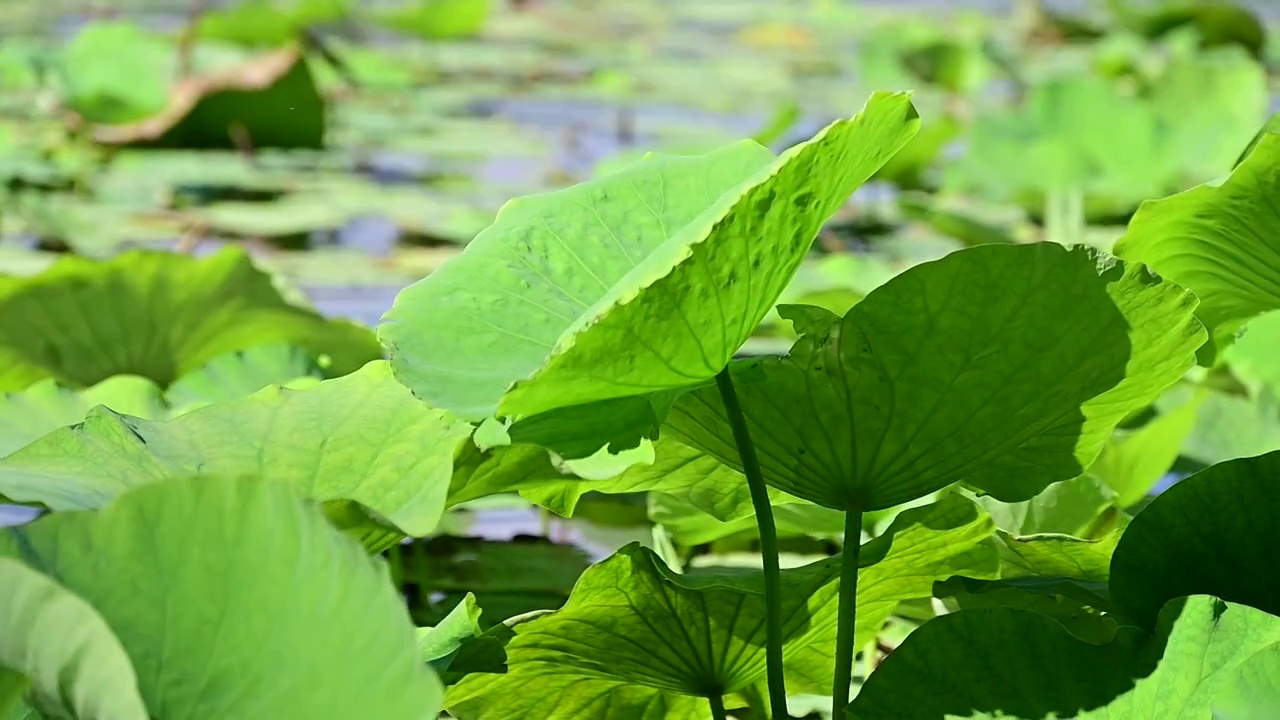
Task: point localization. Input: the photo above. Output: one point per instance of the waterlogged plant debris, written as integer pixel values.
(158, 315)
(269, 101)
(675, 258)
(361, 438)
(180, 573)
(1002, 366)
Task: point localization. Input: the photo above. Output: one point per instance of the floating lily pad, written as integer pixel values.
(977, 368)
(110, 72)
(435, 19)
(268, 23)
(569, 275)
(158, 315)
(176, 572)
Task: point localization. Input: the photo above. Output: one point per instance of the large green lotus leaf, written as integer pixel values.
(362, 437)
(23, 712)
(945, 669)
(437, 644)
(1214, 532)
(1218, 240)
(693, 477)
(1251, 356)
(507, 468)
(632, 620)
(1133, 461)
(1211, 103)
(1079, 606)
(159, 315)
(580, 431)
(458, 646)
(1252, 692)
(689, 525)
(1061, 556)
(75, 664)
(13, 686)
(539, 691)
(1075, 130)
(1270, 127)
(241, 373)
(1057, 575)
(234, 598)
(1067, 507)
(1003, 366)
(675, 258)
(686, 474)
(1228, 425)
(27, 415)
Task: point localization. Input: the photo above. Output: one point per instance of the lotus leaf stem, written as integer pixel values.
(717, 707)
(847, 617)
(768, 544)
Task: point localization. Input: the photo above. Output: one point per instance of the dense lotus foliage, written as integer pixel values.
(974, 411)
(939, 494)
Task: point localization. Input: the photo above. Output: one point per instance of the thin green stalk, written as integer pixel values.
(396, 562)
(847, 617)
(756, 706)
(1064, 220)
(717, 708)
(768, 544)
